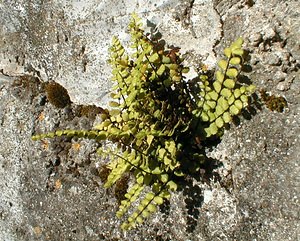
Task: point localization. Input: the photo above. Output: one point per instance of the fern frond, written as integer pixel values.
(149, 204)
(224, 97)
(131, 196)
(88, 134)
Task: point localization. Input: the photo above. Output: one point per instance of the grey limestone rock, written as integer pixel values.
(51, 190)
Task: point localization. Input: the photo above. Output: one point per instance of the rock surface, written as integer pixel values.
(50, 190)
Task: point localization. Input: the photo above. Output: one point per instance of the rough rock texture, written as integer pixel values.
(51, 190)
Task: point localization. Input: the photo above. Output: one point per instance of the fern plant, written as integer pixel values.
(159, 120)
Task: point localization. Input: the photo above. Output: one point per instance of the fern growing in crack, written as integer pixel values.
(159, 120)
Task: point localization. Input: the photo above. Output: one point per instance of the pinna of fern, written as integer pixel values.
(157, 121)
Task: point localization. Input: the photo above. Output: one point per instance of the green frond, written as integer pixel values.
(88, 134)
(226, 92)
(116, 173)
(148, 204)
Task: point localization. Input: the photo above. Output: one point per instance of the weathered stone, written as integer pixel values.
(50, 190)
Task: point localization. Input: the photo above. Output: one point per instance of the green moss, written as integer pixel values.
(89, 111)
(121, 188)
(57, 95)
(274, 103)
(103, 173)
